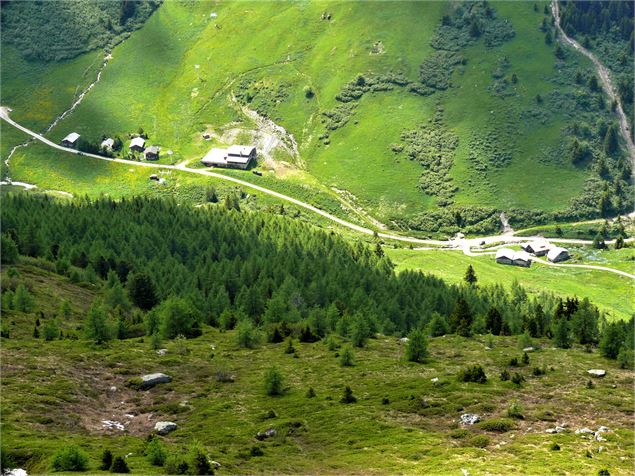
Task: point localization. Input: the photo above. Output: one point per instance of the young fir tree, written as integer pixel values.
(417, 348)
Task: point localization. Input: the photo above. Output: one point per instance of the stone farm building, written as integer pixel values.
(516, 258)
(137, 144)
(558, 254)
(70, 140)
(152, 153)
(234, 157)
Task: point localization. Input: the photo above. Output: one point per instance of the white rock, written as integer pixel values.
(404, 340)
(434, 380)
(216, 464)
(596, 372)
(603, 429)
(551, 431)
(113, 389)
(15, 472)
(528, 349)
(162, 351)
(601, 448)
(599, 437)
(582, 431)
(164, 427)
(112, 425)
(469, 418)
(465, 472)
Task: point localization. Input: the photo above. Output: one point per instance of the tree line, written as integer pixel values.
(166, 269)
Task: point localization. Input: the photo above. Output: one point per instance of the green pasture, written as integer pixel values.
(612, 293)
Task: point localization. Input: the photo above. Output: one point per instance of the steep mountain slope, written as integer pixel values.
(417, 112)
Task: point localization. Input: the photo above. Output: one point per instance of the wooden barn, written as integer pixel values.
(152, 153)
(70, 140)
(558, 254)
(138, 144)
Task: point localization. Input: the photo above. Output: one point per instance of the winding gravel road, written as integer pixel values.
(464, 244)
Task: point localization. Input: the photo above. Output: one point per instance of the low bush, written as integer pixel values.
(497, 425)
(515, 410)
(119, 465)
(348, 396)
(106, 460)
(474, 373)
(518, 379)
(459, 433)
(273, 382)
(155, 453)
(479, 441)
(70, 458)
(554, 447)
(176, 464)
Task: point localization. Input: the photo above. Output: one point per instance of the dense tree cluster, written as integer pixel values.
(54, 31)
(171, 269)
(593, 18)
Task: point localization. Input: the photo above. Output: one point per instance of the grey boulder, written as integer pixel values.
(164, 427)
(150, 380)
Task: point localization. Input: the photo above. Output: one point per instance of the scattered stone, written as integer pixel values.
(162, 352)
(150, 380)
(469, 418)
(15, 472)
(551, 431)
(602, 429)
(434, 380)
(268, 433)
(584, 431)
(599, 437)
(528, 349)
(613, 386)
(403, 340)
(113, 389)
(596, 372)
(112, 425)
(164, 427)
(465, 472)
(601, 449)
(129, 415)
(488, 348)
(216, 464)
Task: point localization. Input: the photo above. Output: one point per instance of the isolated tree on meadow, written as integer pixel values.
(417, 349)
(470, 276)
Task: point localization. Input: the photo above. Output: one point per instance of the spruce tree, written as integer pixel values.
(470, 276)
(417, 349)
(561, 336)
(142, 291)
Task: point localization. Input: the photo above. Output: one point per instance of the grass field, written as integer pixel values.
(59, 392)
(174, 78)
(614, 294)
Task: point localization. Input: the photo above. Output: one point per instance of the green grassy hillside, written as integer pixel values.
(611, 292)
(60, 392)
(369, 92)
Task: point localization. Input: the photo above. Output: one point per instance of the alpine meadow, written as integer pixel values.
(317, 237)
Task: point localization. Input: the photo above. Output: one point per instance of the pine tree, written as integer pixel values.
(96, 326)
(142, 291)
(417, 349)
(561, 336)
(461, 319)
(470, 276)
(610, 140)
(494, 321)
